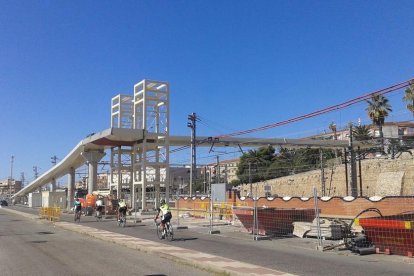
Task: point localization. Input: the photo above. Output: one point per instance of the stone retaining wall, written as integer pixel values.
(380, 177)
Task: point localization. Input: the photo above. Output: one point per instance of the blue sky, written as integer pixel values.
(237, 64)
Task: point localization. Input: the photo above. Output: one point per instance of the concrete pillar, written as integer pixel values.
(139, 196)
(71, 188)
(132, 179)
(119, 184)
(92, 157)
(52, 187)
(167, 191)
(143, 191)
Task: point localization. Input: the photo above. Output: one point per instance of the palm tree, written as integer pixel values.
(361, 133)
(409, 97)
(378, 108)
(332, 127)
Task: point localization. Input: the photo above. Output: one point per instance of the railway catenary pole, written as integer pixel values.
(192, 124)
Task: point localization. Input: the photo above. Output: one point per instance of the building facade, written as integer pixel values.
(226, 168)
(391, 130)
(9, 187)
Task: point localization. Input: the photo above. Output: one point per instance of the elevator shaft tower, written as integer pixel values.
(143, 167)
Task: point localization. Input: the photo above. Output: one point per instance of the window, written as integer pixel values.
(402, 131)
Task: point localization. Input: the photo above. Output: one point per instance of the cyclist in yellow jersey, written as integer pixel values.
(164, 211)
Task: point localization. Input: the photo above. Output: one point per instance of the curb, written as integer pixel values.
(215, 264)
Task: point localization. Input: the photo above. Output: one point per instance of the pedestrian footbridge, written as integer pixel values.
(139, 144)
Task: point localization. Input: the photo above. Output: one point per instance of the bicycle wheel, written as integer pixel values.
(159, 232)
(170, 233)
(77, 217)
(123, 222)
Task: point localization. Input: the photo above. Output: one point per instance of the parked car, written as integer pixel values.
(3, 203)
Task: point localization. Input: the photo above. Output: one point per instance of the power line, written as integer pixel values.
(348, 103)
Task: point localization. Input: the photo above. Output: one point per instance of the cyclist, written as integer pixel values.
(122, 208)
(164, 211)
(77, 206)
(99, 206)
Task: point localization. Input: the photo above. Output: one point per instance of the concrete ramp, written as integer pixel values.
(94, 142)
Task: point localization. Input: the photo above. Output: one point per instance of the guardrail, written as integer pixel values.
(50, 213)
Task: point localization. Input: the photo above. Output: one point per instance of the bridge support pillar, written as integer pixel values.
(71, 188)
(92, 157)
(52, 186)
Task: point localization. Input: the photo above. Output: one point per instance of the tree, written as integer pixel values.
(332, 127)
(409, 97)
(257, 161)
(361, 133)
(378, 109)
(396, 147)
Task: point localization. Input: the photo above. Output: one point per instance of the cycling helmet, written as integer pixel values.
(162, 201)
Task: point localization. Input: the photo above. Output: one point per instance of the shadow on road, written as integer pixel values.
(185, 239)
(38, 241)
(45, 233)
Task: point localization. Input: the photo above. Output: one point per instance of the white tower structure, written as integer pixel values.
(121, 156)
(122, 111)
(143, 166)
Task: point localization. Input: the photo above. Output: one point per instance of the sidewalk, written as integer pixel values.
(194, 258)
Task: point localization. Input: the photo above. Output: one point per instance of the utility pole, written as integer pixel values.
(53, 160)
(205, 180)
(218, 170)
(11, 174)
(346, 171)
(322, 173)
(250, 180)
(22, 178)
(209, 180)
(354, 184)
(360, 171)
(36, 175)
(11, 166)
(193, 172)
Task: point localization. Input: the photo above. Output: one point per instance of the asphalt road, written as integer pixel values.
(32, 248)
(294, 255)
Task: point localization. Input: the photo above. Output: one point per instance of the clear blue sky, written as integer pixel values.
(238, 64)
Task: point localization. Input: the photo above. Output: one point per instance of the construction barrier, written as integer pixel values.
(50, 213)
(197, 209)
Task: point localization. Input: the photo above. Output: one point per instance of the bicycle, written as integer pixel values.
(77, 215)
(98, 215)
(168, 232)
(122, 220)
